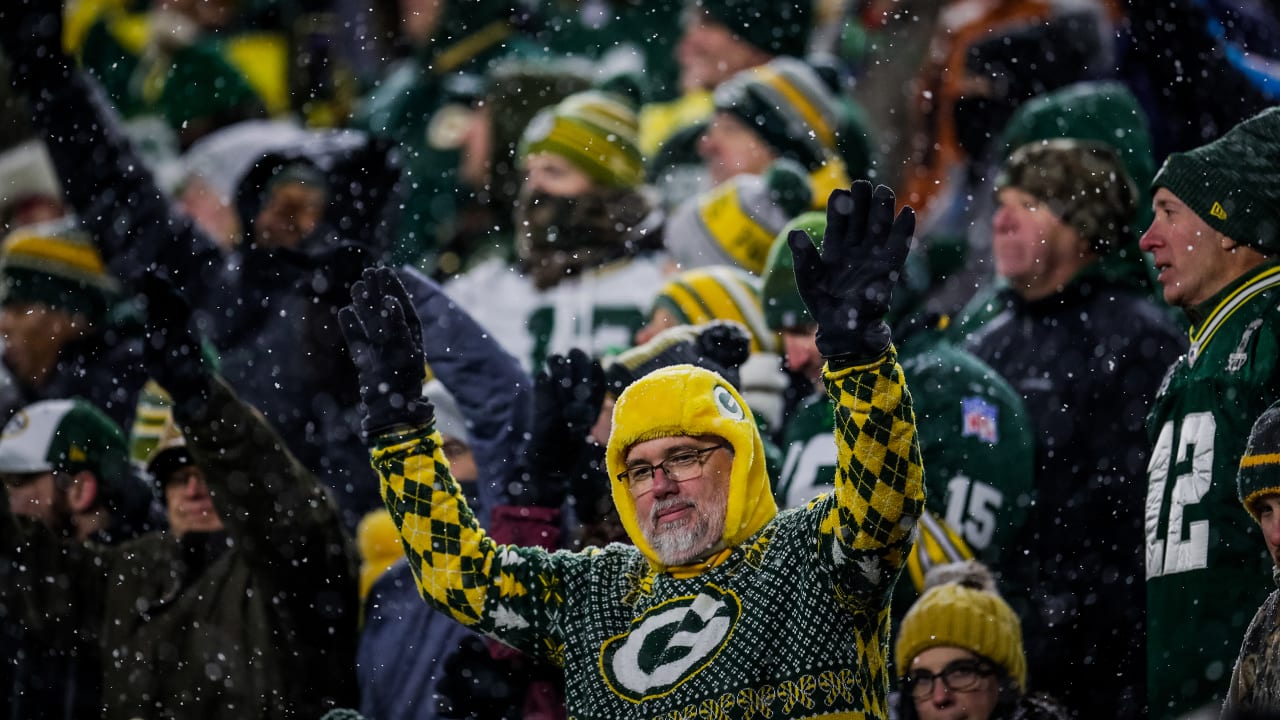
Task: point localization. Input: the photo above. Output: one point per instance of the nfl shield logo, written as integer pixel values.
(979, 419)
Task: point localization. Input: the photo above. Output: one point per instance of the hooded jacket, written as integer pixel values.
(789, 620)
(257, 621)
(270, 314)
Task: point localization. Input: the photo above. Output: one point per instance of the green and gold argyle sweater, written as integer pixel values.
(793, 623)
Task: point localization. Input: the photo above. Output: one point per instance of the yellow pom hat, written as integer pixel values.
(687, 400)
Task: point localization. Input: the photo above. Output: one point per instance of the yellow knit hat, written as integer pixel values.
(718, 292)
(688, 400)
(957, 615)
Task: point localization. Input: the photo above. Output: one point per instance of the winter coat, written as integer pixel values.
(789, 623)
(271, 315)
(1087, 362)
(1255, 681)
(256, 621)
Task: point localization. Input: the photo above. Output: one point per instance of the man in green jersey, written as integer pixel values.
(1214, 242)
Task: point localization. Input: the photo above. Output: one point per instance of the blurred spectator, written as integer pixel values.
(247, 604)
(1084, 351)
(1255, 681)
(959, 651)
(440, 39)
(1103, 112)
(588, 237)
(1213, 241)
(62, 463)
(782, 109)
(59, 319)
(736, 222)
(29, 189)
(485, 119)
(182, 61)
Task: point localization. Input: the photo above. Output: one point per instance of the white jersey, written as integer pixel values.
(597, 311)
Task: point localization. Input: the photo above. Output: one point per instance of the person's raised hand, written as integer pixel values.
(31, 37)
(847, 285)
(384, 337)
(171, 352)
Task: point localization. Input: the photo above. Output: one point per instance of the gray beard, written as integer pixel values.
(682, 542)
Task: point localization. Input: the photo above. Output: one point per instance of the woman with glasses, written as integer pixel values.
(959, 653)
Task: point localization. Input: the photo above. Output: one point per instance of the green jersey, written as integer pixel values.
(1206, 566)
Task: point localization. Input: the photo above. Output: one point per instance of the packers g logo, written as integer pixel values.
(726, 404)
(669, 644)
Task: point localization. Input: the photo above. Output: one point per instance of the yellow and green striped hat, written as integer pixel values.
(597, 131)
(718, 292)
(56, 264)
(1260, 466)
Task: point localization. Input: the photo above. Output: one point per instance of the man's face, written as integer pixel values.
(291, 213)
(462, 464)
(1032, 248)
(40, 495)
(33, 335)
(800, 348)
(730, 148)
(190, 507)
(975, 703)
(709, 54)
(202, 203)
(553, 175)
(1188, 254)
(476, 151)
(1268, 508)
(683, 518)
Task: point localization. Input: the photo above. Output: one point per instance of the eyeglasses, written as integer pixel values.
(682, 466)
(959, 676)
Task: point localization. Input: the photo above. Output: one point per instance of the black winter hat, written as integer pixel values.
(1233, 183)
(778, 28)
(1260, 465)
(719, 346)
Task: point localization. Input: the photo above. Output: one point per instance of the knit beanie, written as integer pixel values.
(789, 105)
(718, 292)
(597, 131)
(683, 400)
(26, 173)
(56, 264)
(937, 545)
(718, 346)
(64, 436)
(1260, 466)
(1232, 182)
(778, 28)
(964, 612)
(735, 222)
(1083, 183)
(779, 294)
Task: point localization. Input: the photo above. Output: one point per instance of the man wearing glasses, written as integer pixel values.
(724, 608)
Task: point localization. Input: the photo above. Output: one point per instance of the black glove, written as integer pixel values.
(475, 685)
(567, 396)
(847, 285)
(172, 353)
(31, 36)
(385, 339)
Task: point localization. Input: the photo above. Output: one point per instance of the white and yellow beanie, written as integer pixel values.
(687, 400)
(597, 131)
(56, 264)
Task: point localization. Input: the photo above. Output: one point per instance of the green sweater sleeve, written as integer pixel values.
(868, 531)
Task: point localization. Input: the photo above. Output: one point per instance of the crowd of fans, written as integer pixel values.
(235, 230)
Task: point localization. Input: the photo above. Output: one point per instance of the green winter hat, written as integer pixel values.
(63, 436)
(778, 28)
(1101, 111)
(1232, 183)
(56, 264)
(783, 306)
(789, 105)
(1260, 466)
(597, 131)
(1083, 183)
